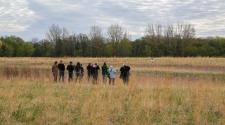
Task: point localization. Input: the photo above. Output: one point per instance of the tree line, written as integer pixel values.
(159, 40)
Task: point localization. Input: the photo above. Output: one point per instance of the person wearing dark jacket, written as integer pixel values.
(95, 69)
(70, 69)
(89, 72)
(78, 71)
(61, 68)
(125, 74)
(105, 73)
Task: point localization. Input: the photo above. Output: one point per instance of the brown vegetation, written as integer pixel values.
(160, 96)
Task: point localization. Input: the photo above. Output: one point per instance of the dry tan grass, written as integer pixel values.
(148, 100)
(167, 61)
(205, 66)
(157, 101)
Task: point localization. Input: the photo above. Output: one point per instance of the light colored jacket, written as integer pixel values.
(112, 73)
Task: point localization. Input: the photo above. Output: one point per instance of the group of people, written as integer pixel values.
(108, 72)
(59, 69)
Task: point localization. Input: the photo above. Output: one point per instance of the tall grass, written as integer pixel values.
(28, 95)
(164, 102)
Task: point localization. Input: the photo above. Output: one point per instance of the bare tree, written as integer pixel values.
(65, 33)
(115, 33)
(54, 33)
(169, 31)
(57, 35)
(189, 31)
(96, 41)
(150, 30)
(95, 32)
(178, 35)
(154, 30)
(159, 31)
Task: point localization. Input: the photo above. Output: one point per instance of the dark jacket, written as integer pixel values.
(105, 70)
(78, 69)
(89, 67)
(124, 71)
(61, 67)
(70, 68)
(95, 69)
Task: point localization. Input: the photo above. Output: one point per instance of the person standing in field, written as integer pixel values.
(78, 71)
(89, 72)
(55, 71)
(82, 71)
(125, 74)
(105, 73)
(70, 69)
(112, 75)
(95, 69)
(61, 68)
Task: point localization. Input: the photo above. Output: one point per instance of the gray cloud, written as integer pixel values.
(207, 16)
(15, 16)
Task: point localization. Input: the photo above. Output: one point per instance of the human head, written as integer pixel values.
(61, 61)
(56, 62)
(71, 62)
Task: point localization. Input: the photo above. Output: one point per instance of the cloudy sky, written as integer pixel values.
(31, 18)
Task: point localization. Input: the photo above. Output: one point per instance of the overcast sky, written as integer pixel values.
(31, 18)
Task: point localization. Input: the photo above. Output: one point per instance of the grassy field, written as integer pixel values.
(162, 91)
